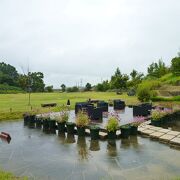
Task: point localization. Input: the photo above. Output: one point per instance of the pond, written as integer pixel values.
(38, 155)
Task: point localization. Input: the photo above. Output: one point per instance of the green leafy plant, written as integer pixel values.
(157, 115)
(112, 124)
(127, 126)
(82, 119)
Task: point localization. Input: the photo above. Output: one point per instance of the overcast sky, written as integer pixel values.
(70, 40)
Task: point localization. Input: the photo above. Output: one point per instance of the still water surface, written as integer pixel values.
(38, 155)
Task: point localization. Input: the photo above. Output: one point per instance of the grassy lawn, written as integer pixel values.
(18, 103)
(9, 176)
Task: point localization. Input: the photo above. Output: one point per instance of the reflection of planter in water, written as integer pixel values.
(134, 130)
(70, 127)
(111, 134)
(94, 132)
(134, 141)
(82, 148)
(125, 131)
(81, 131)
(70, 138)
(61, 126)
(62, 137)
(52, 124)
(111, 147)
(94, 145)
(125, 143)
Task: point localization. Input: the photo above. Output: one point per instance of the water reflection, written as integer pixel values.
(94, 145)
(111, 148)
(134, 141)
(62, 137)
(82, 149)
(125, 143)
(70, 139)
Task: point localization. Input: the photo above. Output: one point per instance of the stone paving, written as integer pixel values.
(160, 134)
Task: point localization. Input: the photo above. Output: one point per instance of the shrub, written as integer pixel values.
(175, 66)
(143, 94)
(112, 124)
(82, 119)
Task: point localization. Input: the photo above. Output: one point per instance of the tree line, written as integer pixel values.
(33, 81)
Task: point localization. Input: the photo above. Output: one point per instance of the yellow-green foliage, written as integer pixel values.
(82, 119)
(112, 124)
(9, 176)
(170, 79)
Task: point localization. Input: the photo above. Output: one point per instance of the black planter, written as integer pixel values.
(31, 122)
(156, 122)
(70, 127)
(45, 124)
(97, 114)
(52, 124)
(125, 132)
(38, 122)
(111, 134)
(134, 130)
(26, 119)
(118, 104)
(94, 132)
(61, 127)
(103, 105)
(81, 131)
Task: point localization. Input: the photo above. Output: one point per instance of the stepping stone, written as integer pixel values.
(87, 131)
(166, 137)
(156, 135)
(149, 126)
(147, 131)
(103, 135)
(141, 129)
(178, 136)
(175, 141)
(156, 128)
(164, 130)
(175, 133)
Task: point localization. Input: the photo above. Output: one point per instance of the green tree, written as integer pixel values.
(175, 66)
(158, 69)
(8, 74)
(49, 88)
(88, 87)
(63, 87)
(118, 80)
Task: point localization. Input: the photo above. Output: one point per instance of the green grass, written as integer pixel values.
(167, 99)
(170, 79)
(9, 176)
(18, 103)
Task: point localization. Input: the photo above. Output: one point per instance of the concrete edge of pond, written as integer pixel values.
(160, 134)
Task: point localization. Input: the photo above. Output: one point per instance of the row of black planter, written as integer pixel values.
(32, 121)
(166, 119)
(142, 109)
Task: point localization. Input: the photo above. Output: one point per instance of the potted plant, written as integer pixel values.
(70, 127)
(156, 117)
(134, 128)
(82, 120)
(62, 119)
(94, 132)
(125, 131)
(32, 117)
(112, 126)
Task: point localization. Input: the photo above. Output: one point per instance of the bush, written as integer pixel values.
(144, 93)
(82, 119)
(158, 98)
(112, 124)
(175, 66)
(6, 89)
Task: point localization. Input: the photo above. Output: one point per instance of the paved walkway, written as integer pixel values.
(160, 134)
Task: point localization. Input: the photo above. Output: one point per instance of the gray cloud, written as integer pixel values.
(87, 39)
